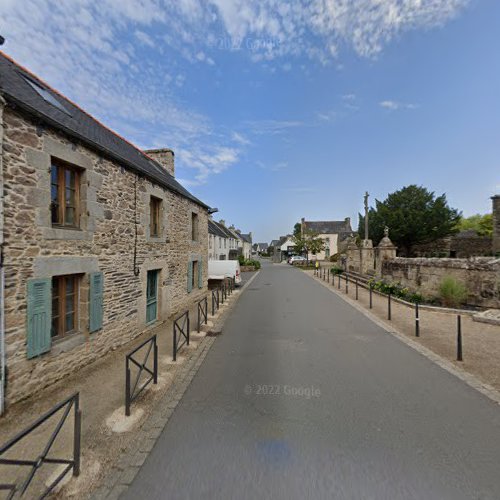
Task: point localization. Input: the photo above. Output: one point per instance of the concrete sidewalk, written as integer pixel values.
(106, 432)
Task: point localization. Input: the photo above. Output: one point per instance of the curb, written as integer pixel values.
(471, 380)
(123, 472)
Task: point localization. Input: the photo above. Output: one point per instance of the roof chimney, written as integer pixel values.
(165, 157)
(223, 222)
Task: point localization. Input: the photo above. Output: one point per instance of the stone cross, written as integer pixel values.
(366, 215)
(386, 231)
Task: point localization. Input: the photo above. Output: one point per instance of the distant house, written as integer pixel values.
(332, 232)
(246, 244)
(286, 247)
(260, 247)
(217, 241)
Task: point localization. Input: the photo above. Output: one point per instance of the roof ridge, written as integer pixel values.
(60, 94)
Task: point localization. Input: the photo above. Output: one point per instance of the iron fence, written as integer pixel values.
(35, 465)
(202, 312)
(181, 333)
(132, 392)
(215, 300)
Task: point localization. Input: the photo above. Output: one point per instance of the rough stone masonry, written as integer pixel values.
(111, 199)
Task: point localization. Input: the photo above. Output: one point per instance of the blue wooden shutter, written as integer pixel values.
(190, 276)
(200, 273)
(96, 301)
(39, 317)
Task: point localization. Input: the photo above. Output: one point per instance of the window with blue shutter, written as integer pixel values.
(39, 311)
(190, 276)
(200, 273)
(152, 296)
(96, 307)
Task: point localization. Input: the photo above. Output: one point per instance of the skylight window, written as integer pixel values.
(47, 96)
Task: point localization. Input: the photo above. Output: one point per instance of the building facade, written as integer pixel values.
(100, 243)
(331, 232)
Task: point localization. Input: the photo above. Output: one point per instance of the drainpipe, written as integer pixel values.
(2, 271)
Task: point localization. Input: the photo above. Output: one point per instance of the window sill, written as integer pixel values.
(67, 344)
(65, 233)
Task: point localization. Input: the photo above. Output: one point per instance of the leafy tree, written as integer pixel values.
(482, 224)
(307, 242)
(413, 215)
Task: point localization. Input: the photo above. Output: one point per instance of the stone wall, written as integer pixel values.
(111, 197)
(496, 224)
(481, 276)
(462, 246)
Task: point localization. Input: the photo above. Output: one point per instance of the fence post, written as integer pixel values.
(175, 344)
(155, 362)
(371, 294)
(417, 321)
(356, 288)
(127, 387)
(459, 338)
(347, 284)
(328, 275)
(339, 282)
(188, 328)
(77, 436)
(389, 306)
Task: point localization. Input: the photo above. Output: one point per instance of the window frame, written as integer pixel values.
(195, 236)
(61, 307)
(62, 167)
(155, 205)
(194, 274)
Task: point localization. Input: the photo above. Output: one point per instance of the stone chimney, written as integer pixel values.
(223, 222)
(496, 223)
(250, 234)
(165, 157)
(348, 223)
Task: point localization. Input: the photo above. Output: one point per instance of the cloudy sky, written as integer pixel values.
(276, 110)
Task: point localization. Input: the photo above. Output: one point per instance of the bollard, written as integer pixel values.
(356, 288)
(371, 301)
(389, 306)
(347, 284)
(339, 282)
(328, 275)
(459, 338)
(417, 321)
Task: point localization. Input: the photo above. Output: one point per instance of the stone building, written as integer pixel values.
(332, 232)
(496, 224)
(99, 241)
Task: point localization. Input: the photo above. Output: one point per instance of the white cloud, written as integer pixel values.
(240, 139)
(395, 105)
(272, 127)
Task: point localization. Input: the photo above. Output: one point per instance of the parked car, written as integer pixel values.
(296, 259)
(220, 269)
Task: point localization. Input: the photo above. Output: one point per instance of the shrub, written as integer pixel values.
(396, 290)
(336, 270)
(452, 292)
(334, 257)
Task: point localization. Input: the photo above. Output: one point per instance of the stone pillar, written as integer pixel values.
(496, 223)
(385, 251)
(367, 265)
(165, 157)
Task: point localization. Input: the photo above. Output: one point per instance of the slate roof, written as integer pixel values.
(215, 229)
(21, 88)
(263, 246)
(329, 226)
(246, 237)
(274, 243)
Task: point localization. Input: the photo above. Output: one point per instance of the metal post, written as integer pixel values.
(459, 338)
(389, 306)
(77, 436)
(175, 343)
(188, 328)
(127, 387)
(155, 362)
(328, 275)
(371, 296)
(356, 288)
(347, 284)
(339, 283)
(213, 304)
(417, 321)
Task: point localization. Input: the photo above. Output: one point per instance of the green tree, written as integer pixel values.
(413, 215)
(482, 224)
(307, 242)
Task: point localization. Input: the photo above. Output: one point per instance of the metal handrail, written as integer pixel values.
(202, 312)
(181, 327)
(215, 300)
(133, 392)
(71, 464)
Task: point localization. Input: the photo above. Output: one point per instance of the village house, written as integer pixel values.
(332, 232)
(99, 241)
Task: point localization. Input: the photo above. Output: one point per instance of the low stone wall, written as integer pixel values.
(481, 276)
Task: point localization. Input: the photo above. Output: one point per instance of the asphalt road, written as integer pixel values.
(304, 397)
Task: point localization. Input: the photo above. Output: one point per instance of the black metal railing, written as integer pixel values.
(35, 465)
(132, 392)
(202, 312)
(181, 333)
(215, 300)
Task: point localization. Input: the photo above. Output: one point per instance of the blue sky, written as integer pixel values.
(280, 111)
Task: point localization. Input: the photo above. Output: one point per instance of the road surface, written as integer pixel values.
(304, 397)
